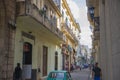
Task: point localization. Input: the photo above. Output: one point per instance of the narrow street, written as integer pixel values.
(46, 39)
(80, 75)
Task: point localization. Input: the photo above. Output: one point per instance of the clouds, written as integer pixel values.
(74, 9)
(79, 11)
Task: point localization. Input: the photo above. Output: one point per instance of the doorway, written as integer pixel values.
(27, 61)
(56, 60)
(45, 55)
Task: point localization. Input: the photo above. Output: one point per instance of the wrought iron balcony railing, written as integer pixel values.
(26, 8)
(65, 26)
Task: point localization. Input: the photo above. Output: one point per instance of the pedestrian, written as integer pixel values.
(66, 67)
(96, 72)
(80, 68)
(71, 68)
(17, 72)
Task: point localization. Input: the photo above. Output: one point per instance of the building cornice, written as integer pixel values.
(65, 5)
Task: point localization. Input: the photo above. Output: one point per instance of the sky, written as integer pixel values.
(79, 11)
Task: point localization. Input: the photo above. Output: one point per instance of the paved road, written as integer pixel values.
(80, 75)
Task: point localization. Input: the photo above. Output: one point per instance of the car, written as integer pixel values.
(85, 65)
(59, 75)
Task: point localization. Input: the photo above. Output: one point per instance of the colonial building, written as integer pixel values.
(37, 41)
(71, 31)
(104, 15)
(93, 17)
(7, 31)
(38, 38)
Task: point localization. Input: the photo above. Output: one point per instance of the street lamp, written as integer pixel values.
(91, 12)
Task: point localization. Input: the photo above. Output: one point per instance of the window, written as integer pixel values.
(58, 75)
(62, 14)
(66, 20)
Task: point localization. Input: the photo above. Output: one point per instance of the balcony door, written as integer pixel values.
(56, 60)
(45, 56)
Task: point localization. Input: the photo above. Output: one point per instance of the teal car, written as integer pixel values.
(59, 75)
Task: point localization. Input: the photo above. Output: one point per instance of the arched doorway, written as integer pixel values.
(27, 61)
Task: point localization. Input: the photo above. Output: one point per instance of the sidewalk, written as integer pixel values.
(90, 77)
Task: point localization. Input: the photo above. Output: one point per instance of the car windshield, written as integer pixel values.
(57, 75)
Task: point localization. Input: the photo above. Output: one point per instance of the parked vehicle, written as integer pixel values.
(59, 75)
(86, 65)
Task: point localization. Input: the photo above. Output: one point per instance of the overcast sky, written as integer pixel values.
(79, 10)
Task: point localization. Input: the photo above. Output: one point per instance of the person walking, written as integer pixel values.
(96, 72)
(18, 72)
(71, 68)
(66, 67)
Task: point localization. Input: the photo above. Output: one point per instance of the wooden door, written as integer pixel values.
(45, 55)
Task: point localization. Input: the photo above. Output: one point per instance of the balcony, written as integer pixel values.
(97, 35)
(97, 32)
(31, 11)
(66, 29)
(92, 3)
(93, 50)
(89, 3)
(65, 49)
(95, 42)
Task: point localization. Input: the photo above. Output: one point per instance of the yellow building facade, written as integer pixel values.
(40, 36)
(71, 32)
